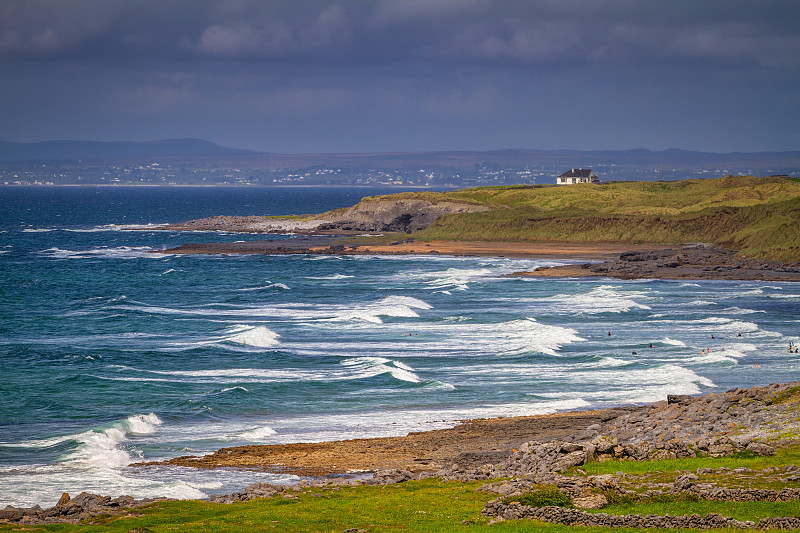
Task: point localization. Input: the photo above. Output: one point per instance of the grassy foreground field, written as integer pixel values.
(757, 216)
(432, 505)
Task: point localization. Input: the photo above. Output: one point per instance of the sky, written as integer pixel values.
(300, 76)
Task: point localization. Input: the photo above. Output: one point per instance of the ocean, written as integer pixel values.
(112, 352)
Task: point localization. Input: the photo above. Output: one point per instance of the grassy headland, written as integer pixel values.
(757, 216)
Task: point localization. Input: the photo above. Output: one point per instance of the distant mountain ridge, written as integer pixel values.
(61, 150)
(92, 150)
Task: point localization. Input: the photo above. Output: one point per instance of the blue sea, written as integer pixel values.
(112, 352)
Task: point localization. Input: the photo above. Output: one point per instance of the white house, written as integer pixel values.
(577, 175)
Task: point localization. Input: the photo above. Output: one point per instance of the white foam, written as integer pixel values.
(119, 252)
(116, 227)
(256, 336)
(101, 447)
(238, 334)
(785, 296)
(744, 347)
(227, 389)
(269, 285)
(348, 369)
(699, 303)
(728, 356)
(740, 311)
(38, 230)
(365, 367)
(606, 362)
(730, 325)
(653, 384)
(391, 306)
(603, 299)
(256, 434)
(753, 292)
(671, 342)
(529, 335)
(331, 277)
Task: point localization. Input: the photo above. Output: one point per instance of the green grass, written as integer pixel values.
(784, 456)
(428, 505)
(542, 496)
(757, 216)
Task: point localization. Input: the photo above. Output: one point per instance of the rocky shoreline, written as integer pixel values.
(528, 452)
(695, 262)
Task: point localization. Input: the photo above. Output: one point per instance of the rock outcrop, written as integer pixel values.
(72, 510)
(395, 215)
(697, 261)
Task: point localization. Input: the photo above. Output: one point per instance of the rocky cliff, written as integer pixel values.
(395, 215)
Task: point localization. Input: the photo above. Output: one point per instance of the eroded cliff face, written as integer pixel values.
(389, 215)
(371, 215)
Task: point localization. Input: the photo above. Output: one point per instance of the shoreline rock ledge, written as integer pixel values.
(757, 420)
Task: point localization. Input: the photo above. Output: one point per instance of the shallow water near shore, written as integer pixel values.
(111, 354)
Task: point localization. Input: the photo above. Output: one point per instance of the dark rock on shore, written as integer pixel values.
(697, 261)
(72, 510)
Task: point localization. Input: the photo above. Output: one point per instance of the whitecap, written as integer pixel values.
(391, 306)
(116, 227)
(753, 292)
(438, 385)
(269, 285)
(671, 342)
(119, 252)
(603, 299)
(366, 367)
(606, 362)
(256, 336)
(331, 277)
(228, 389)
(740, 311)
(257, 434)
(715, 357)
(38, 230)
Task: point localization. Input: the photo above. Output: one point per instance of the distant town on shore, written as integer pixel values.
(198, 162)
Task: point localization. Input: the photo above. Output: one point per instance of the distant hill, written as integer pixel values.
(93, 150)
(196, 161)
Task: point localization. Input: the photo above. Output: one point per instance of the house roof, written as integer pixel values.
(577, 173)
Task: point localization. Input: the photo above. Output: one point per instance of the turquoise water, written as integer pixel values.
(112, 354)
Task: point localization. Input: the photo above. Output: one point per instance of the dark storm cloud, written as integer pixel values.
(451, 31)
(404, 74)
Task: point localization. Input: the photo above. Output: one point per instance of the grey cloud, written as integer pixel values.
(243, 39)
(392, 11)
(505, 32)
